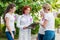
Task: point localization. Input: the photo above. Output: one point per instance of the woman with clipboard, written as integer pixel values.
(23, 22)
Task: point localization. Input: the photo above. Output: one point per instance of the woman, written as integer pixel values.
(9, 21)
(41, 29)
(23, 22)
(48, 23)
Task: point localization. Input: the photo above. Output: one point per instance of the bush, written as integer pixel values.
(57, 22)
(35, 31)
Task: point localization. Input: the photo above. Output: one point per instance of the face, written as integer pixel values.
(13, 9)
(46, 10)
(27, 11)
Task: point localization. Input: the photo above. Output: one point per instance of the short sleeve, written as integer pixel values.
(7, 15)
(19, 23)
(46, 17)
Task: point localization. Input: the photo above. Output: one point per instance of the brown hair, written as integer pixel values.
(10, 6)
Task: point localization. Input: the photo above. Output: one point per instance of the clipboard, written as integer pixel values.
(32, 26)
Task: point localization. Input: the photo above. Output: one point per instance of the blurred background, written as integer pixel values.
(36, 6)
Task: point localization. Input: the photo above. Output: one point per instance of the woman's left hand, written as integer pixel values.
(37, 38)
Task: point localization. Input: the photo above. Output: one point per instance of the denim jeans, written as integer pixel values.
(8, 35)
(49, 35)
(40, 36)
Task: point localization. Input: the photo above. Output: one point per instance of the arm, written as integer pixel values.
(44, 23)
(46, 18)
(55, 14)
(8, 27)
(19, 23)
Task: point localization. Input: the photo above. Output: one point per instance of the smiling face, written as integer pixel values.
(27, 11)
(13, 9)
(46, 7)
(46, 10)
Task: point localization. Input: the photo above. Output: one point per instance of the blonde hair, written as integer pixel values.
(47, 5)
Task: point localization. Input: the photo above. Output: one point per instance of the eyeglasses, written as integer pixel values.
(46, 8)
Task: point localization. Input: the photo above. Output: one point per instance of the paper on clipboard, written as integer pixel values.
(31, 26)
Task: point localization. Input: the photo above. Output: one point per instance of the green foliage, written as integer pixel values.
(34, 31)
(58, 15)
(57, 22)
(35, 5)
(19, 4)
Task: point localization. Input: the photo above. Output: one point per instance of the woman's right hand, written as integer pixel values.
(24, 27)
(12, 35)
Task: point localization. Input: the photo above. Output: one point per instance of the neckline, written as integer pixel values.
(10, 14)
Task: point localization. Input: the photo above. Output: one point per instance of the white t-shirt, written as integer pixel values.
(11, 21)
(51, 21)
(41, 29)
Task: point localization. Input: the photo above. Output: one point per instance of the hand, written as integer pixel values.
(24, 27)
(37, 38)
(12, 35)
(15, 32)
(43, 26)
